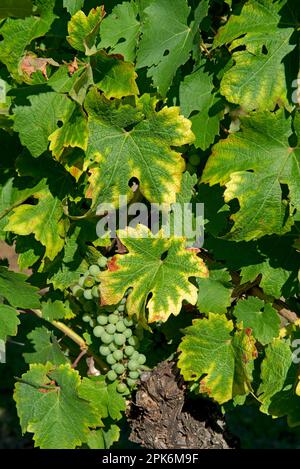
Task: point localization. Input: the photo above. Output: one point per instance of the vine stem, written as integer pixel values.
(77, 339)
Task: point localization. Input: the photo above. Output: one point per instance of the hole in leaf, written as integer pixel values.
(133, 181)
(264, 50)
(1, 37)
(122, 39)
(164, 255)
(60, 124)
(167, 52)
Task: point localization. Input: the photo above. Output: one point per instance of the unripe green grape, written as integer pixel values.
(133, 365)
(104, 350)
(110, 328)
(119, 339)
(110, 359)
(81, 281)
(107, 338)
(102, 261)
(89, 282)
(88, 294)
(118, 354)
(134, 341)
(191, 169)
(98, 331)
(88, 307)
(119, 368)
(112, 347)
(121, 308)
(127, 333)
(120, 326)
(112, 375)
(94, 270)
(95, 292)
(91, 323)
(135, 355)
(102, 319)
(129, 350)
(121, 388)
(130, 382)
(113, 318)
(86, 318)
(77, 290)
(142, 359)
(134, 374)
(194, 159)
(128, 322)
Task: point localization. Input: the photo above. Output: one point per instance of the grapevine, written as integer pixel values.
(149, 223)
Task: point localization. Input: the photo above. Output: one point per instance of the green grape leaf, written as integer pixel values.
(273, 278)
(166, 40)
(104, 397)
(274, 371)
(120, 30)
(18, 9)
(46, 347)
(83, 30)
(101, 439)
(260, 65)
(260, 317)
(255, 177)
(197, 94)
(53, 310)
(215, 292)
(17, 291)
(39, 120)
(73, 6)
(223, 363)
(8, 321)
(143, 152)
(45, 220)
(113, 76)
(146, 272)
(18, 33)
(49, 406)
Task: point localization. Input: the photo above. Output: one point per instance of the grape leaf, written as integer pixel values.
(46, 347)
(45, 220)
(104, 397)
(83, 30)
(8, 321)
(197, 94)
(273, 278)
(222, 362)
(274, 371)
(119, 31)
(57, 309)
(18, 33)
(255, 177)
(18, 9)
(54, 413)
(113, 76)
(39, 120)
(215, 292)
(101, 439)
(150, 267)
(73, 6)
(166, 40)
(263, 55)
(17, 291)
(143, 152)
(264, 324)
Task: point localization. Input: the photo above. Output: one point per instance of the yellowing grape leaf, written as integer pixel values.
(45, 220)
(220, 361)
(158, 270)
(83, 30)
(128, 141)
(253, 164)
(257, 80)
(113, 76)
(49, 406)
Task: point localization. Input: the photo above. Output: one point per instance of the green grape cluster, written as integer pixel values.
(120, 338)
(87, 289)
